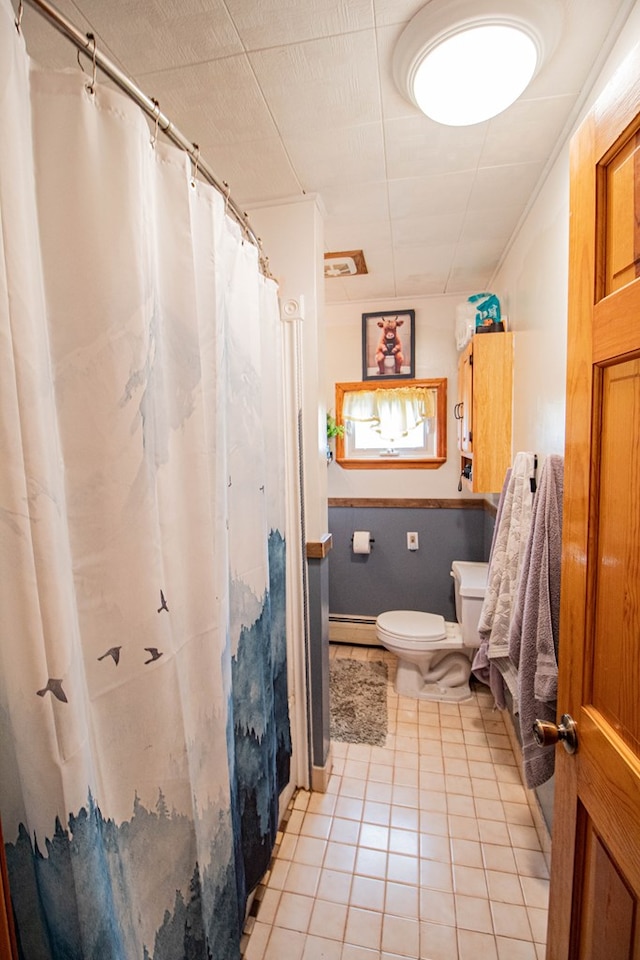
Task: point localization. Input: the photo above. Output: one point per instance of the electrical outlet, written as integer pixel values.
(412, 541)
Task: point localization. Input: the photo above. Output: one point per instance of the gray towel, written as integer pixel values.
(508, 553)
(533, 634)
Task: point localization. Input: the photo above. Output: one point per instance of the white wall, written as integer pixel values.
(532, 285)
(436, 356)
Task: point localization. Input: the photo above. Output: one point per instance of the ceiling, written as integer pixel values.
(292, 97)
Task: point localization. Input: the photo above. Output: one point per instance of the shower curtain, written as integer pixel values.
(144, 729)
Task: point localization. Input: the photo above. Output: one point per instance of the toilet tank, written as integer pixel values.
(470, 583)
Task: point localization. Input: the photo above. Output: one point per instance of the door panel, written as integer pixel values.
(615, 690)
(595, 871)
(610, 932)
(623, 234)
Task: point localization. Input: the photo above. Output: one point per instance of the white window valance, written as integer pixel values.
(393, 413)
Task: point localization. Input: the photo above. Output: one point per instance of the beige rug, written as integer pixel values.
(358, 691)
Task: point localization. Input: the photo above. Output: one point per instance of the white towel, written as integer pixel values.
(533, 636)
(506, 558)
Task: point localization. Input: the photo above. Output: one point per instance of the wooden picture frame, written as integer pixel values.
(388, 345)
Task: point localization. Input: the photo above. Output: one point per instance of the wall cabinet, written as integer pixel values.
(483, 411)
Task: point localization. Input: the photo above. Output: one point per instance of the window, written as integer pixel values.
(392, 424)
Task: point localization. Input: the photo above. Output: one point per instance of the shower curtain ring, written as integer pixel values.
(156, 114)
(227, 194)
(90, 87)
(18, 19)
(195, 159)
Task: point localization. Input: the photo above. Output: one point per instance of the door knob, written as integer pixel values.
(546, 734)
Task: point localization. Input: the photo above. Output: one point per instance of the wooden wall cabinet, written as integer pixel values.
(484, 411)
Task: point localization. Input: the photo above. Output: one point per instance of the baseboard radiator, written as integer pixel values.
(348, 628)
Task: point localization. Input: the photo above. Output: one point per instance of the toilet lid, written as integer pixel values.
(412, 625)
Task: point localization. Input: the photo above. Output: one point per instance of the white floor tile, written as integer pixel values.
(294, 912)
(401, 936)
(473, 946)
(328, 920)
(438, 942)
(364, 928)
(284, 943)
(368, 893)
(424, 847)
(402, 900)
(319, 948)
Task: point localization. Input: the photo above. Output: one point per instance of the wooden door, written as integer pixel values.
(594, 910)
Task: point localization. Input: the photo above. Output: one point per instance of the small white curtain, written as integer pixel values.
(393, 412)
(144, 732)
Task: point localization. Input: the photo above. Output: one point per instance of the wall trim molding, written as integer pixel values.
(420, 504)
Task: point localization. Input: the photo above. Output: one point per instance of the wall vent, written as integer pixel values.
(347, 263)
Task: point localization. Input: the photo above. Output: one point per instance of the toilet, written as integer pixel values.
(434, 656)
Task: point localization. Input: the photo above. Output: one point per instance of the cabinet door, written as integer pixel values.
(492, 404)
(464, 410)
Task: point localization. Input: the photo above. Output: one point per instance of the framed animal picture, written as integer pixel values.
(388, 344)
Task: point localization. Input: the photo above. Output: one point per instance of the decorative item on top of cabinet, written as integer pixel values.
(483, 411)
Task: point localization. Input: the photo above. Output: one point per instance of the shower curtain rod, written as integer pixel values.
(87, 44)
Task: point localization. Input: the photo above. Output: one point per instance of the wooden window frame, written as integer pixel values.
(395, 463)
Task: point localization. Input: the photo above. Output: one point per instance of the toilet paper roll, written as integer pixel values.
(361, 541)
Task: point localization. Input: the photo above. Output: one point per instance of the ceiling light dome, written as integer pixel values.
(465, 61)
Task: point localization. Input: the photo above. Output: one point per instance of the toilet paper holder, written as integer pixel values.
(371, 540)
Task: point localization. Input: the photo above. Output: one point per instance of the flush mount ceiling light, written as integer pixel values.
(465, 61)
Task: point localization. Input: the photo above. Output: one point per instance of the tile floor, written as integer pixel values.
(424, 848)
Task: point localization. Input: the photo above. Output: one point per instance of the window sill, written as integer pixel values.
(391, 463)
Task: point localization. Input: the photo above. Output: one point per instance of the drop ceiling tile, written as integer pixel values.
(341, 233)
(152, 35)
(396, 11)
(423, 269)
(477, 256)
(365, 201)
(255, 171)
(321, 85)
(375, 285)
(417, 230)
(466, 281)
(217, 101)
(434, 259)
(47, 46)
(446, 193)
(504, 185)
(419, 147)
(419, 285)
(394, 102)
(334, 291)
(348, 155)
(528, 131)
(273, 23)
(489, 225)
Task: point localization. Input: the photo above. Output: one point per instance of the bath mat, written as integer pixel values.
(358, 690)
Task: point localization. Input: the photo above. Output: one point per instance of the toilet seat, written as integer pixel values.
(411, 627)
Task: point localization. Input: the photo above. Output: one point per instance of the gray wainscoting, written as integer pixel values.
(392, 577)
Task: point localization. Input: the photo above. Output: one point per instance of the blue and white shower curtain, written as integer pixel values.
(144, 729)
